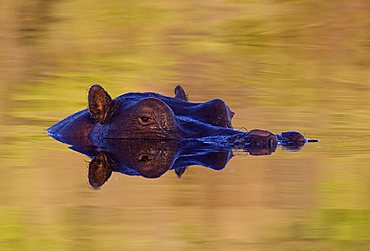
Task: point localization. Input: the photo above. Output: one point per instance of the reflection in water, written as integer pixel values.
(281, 65)
(153, 158)
(148, 134)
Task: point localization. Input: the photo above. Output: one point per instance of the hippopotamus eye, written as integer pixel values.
(144, 120)
(143, 158)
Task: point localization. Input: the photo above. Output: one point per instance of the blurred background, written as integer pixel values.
(279, 65)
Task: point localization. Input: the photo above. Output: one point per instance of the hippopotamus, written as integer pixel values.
(152, 158)
(157, 117)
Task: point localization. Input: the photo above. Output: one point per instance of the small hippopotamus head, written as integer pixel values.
(149, 117)
(143, 116)
(148, 158)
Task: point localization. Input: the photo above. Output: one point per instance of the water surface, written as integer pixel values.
(279, 65)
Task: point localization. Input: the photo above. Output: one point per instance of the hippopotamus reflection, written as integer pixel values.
(154, 116)
(153, 158)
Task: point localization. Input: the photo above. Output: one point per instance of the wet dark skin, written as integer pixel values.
(148, 134)
(154, 116)
(152, 158)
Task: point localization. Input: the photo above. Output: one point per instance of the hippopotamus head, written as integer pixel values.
(143, 116)
(149, 117)
(154, 116)
(151, 158)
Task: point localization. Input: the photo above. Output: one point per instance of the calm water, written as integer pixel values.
(279, 65)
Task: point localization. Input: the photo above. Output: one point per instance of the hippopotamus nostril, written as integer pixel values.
(293, 137)
(271, 143)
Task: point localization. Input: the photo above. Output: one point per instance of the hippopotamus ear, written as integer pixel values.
(100, 169)
(180, 93)
(99, 102)
(180, 171)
